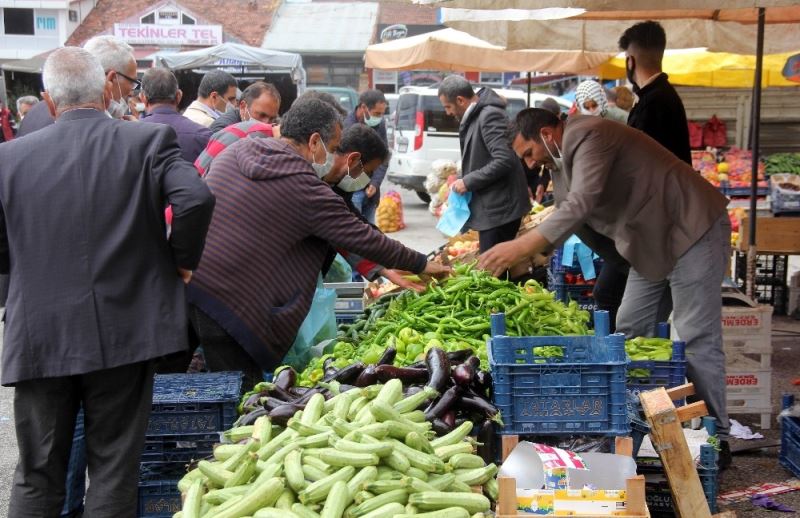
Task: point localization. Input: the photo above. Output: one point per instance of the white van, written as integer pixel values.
(423, 132)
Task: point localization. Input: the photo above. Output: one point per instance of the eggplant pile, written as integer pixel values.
(462, 390)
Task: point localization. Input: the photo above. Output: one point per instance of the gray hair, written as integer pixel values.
(257, 89)
(309, 116)
(30, 100)
(455, 86)
(159, 85)
(73, 77)
(113, 53)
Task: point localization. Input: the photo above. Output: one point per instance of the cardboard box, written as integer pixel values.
(749, 388)
(747, 329)
(773, 235)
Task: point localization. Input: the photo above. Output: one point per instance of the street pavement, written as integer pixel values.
(420, 233)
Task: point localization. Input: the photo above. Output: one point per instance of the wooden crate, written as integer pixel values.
(773, 235)
(507, 499)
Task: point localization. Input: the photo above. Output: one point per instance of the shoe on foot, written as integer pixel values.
(725, 457)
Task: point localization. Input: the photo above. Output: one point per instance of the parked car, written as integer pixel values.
(423, 132)
(347, 97)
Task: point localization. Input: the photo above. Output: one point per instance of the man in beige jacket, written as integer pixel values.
(216, 93)
(664, 218)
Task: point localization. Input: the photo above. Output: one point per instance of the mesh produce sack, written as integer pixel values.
(389, 215)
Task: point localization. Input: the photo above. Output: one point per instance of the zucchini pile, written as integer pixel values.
(364, 453)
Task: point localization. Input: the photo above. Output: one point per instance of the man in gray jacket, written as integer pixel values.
(490, 170)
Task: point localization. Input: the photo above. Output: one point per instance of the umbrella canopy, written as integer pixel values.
(449, 49)
(30, 66)
(720, 30)
(698, 67)
(235, 54)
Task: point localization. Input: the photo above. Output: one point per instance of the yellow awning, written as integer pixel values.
(697, 67)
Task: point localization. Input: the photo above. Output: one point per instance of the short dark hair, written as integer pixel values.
(215, 81)
(159, 85)
(454, 86)
(370, 98)
(362, 139)
(309, 116)
(257, 89)
(551, 105)
(326, 98)
(648, 37)
(529, 123)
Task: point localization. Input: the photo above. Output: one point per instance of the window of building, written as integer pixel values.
(491, 78)
(18, 21)
(73, 15)
(187, 20)
(149, 19)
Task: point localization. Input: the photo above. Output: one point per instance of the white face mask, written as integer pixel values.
(322, 170)
(373, 122)
(558, 162)
(594, 111)
(350, 184)
(117, 108)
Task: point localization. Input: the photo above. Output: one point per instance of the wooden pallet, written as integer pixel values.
(507, 499)
(668, 439)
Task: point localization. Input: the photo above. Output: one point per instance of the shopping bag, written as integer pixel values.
(456, 214)
(695, 135)
(574, 247)
(340, 270)
(319, 325)
(715, 133)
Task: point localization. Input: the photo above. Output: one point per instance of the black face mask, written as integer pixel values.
(630, 68)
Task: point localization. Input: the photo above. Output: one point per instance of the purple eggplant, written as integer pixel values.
(463, 374)
(369, 376)
(283, 413)
(387, 358)
(482, 384)
(449, 418)
(475, 362)
(444, 403)
(251, 403)
(473, 402)
(350, 373)
(285, 378)
(441, 428)
(305, 398)
(454, 357)
(405, 374)
(438, 369)
(250, 417)
(271, 403)
(413, 389)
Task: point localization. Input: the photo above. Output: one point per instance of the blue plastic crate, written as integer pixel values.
(667, 374)
(180, 449)
(790, 444)
(727, 190)
(580, 293)
(657, 490)
(582, 392)
(194, 403)
(159, 498)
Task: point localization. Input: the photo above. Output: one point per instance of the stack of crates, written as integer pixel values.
(666, 373)
(189, 412)
(581, 392)
(771, 279)
(559, 277)
(790, 439)
(747, 339)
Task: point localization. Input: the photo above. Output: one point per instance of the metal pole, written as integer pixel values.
(529, 90)
(755, 125)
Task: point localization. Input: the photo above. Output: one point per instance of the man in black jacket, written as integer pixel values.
(489, 168)
(659, 111)
(96, 291)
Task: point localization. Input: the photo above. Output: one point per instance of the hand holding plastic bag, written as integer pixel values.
(456, 215)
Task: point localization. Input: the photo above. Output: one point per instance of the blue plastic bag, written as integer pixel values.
(575, 247)
(319, 325)
(456, 215)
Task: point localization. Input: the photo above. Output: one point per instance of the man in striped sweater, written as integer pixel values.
(268, 240)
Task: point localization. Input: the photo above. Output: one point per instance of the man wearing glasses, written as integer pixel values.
(116, 58)
(260, 101)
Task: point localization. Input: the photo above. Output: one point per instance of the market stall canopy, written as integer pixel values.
(449, 49)
(574, 25)
(698, 67)
(29, 66)
(237, 55)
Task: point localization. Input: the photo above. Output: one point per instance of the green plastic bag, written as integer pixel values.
(319, 325)
(340, 271)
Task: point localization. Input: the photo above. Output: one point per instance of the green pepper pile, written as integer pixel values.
(783, 163)
(647, 349)
(453, 315)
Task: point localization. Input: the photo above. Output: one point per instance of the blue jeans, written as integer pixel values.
(366, 206)
(76, 471)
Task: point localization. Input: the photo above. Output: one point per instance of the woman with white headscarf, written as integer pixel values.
(591, 100)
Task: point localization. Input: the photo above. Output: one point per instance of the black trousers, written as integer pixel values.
(222, 352)
(609, 288)
(116, 405)
(506, 232)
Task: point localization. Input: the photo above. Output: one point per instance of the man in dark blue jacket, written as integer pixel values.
(161, 97)
(370, 110)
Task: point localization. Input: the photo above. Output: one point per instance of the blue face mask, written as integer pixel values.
(373, 122)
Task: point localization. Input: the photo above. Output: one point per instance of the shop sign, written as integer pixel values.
(175, 35)
(45, 24)
(384, 77)
(394, 32)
